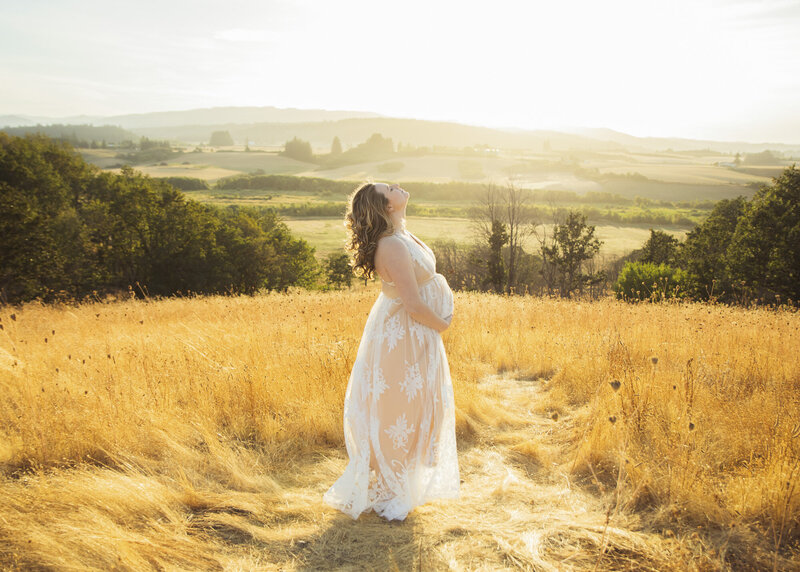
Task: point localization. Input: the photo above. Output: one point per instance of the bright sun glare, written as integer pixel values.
(709, 68)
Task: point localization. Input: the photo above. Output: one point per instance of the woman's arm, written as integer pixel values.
(393, 258)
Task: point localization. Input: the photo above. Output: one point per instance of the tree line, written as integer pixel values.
(562, 262)
(84, 136)
(375, 148)
(68, 230)
(746, 251)
(548, 200)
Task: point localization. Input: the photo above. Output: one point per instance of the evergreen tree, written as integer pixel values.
(336, 147)
(496, 267)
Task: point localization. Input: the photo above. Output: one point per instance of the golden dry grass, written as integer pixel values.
(200, 433)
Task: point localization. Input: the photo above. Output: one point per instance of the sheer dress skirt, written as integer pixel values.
(399, 413)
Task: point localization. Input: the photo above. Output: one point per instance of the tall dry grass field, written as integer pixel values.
(199, 433)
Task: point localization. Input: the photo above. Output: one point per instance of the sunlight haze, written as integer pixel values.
(722, 69)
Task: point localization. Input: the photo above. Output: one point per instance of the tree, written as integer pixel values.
(505, 205)
(764, 251)
(376, 148)
(338, 271)
(704, 252)
(660, 248)
(298, 149)
(573, 243)
(464, 268)
(336, 147)
(519, 222)
(221, 139)
(377, 144)
(44, 246)
(766, 157)
(497, 271)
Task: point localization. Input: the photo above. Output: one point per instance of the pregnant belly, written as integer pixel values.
(437, 294)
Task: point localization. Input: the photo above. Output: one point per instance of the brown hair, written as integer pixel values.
(366, 220)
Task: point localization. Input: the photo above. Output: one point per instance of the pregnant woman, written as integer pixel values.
(399, 414)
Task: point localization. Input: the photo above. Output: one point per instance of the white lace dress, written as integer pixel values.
(399, 414)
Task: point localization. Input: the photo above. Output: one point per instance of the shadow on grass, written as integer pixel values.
(369, 543)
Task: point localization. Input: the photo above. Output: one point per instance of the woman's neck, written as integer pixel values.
(398, 221)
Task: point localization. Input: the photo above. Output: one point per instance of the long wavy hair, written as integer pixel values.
(367, 220)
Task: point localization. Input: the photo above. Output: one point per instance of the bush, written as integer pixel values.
(645, 281)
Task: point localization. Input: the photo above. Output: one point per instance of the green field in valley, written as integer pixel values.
(328, 235)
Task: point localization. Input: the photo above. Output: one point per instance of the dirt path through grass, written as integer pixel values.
(518, 509)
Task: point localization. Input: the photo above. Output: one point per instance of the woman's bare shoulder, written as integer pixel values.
(390, 241)
(391, 246)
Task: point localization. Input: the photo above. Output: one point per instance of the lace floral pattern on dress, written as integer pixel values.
(393, 332)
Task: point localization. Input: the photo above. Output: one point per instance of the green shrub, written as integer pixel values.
(645, 281)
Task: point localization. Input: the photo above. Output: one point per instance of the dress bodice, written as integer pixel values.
(422, 257)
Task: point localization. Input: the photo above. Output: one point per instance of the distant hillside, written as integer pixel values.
(207, 116)
(408, 131)
(222, 115)
(273, 126)
(681, 144)
(352, 131)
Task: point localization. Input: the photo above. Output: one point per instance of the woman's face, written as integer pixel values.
(397, 197)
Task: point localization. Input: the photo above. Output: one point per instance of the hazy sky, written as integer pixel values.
(725, 69)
